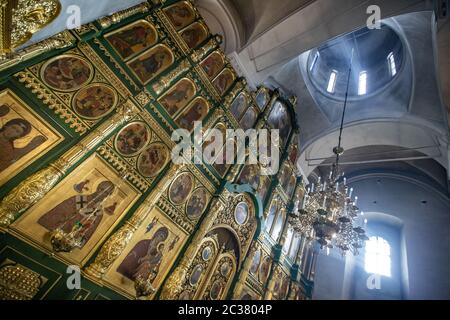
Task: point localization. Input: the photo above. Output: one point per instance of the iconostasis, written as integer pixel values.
(87, 180)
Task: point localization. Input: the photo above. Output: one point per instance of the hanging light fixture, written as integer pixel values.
(328, 207)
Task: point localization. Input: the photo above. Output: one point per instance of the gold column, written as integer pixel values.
(275, 274)
(6, 13)
(245, 270)
(35, 187)
(173, 286)
(108, 21)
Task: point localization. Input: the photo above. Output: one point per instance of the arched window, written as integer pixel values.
(378, 256)
(362, 87)
(332, 81)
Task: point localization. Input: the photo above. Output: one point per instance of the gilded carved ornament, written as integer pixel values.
(22, 18)
(18, 282)
(59, 41)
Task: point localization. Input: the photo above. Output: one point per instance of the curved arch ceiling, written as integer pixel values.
(407, 111)
(377, 55)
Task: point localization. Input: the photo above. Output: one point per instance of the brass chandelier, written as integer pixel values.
(329, 213)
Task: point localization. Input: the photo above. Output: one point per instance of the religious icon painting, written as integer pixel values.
(224, 81)
(196, 275)
(262, 98)
(238, 106)
(285, 178)
(24, 136)
(249, 118)
(95, 101)
(67, 72)
(196, 111)
(207, 253)
(148, 256)
(181, 188)
(194, 35)
(255, 262)
(241, 213)
(293, 154)
(218, 135)
(151, 63)
(279, 119)
(180, 14)
(132, 139)
(88, 204)
(145, 258)
(250, 175)
(220, 163)
(284, 288)
(277, 288)
(291, 186)
(153, 160)
(263, 188)
(213, 64)
(264, 269)
(216, 290)
(178, 97)
(197, 203)
(225, 269)
(133, 38)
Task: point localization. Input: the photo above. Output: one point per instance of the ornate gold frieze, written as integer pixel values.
(155, 124)
(30, 16)
(105, 70)
(121, 166)
(52, 101)
(175, 214)
(171, 30)
(18, 282)
(123, 73)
